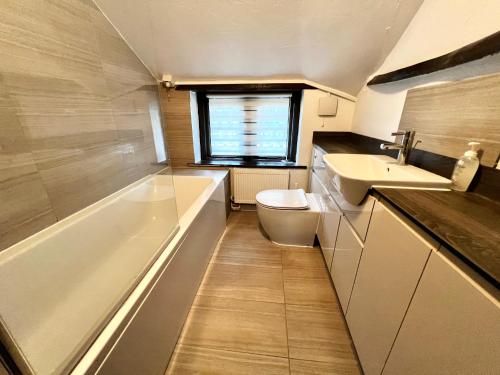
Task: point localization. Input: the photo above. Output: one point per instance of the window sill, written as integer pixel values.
(248, 164)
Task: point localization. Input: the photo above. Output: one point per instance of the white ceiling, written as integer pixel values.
(337, 43)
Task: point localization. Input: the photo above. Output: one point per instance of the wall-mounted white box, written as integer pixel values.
(328, 106)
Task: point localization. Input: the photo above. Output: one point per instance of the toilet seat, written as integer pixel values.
(281, 199)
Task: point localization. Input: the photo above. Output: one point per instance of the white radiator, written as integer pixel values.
(247, 182)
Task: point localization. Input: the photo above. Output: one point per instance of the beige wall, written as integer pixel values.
(77, 111)
(439, 27)
(310, 122)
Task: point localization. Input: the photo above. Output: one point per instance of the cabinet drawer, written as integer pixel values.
(346, 257)
(358, 216)
(393, 259)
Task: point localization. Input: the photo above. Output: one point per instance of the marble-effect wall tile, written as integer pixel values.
(25, 203)
(79, 113)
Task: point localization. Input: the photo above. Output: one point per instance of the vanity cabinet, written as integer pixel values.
(345, 262)
(329, 220)
(315, 184)
(329, 229)
(358, 215)
(452, 325)
(317, 163)
(410, 308)
(393, 260)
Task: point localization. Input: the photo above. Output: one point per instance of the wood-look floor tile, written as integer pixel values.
(344, 367)
(237, 325)
(236, 335)
(247, 222)
(198, 360)
(308, 287)
(247, 256)
(243, 218)
(303, 257)
(318, 334)
(249, 238)
(243, 282)
(305, 273)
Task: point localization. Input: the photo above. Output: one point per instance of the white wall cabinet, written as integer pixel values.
(452, 326)
(345, 262)
(393, 259)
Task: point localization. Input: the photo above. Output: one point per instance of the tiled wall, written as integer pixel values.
(177, 116)
(77, 113)
(446, 117)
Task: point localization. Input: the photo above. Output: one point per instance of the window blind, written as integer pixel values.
(249, 125)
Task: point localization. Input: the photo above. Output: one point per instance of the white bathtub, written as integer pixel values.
(80, 281)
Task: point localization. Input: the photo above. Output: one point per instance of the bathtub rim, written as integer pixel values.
(15, 352)
(98, 350)
(57, 227)
(191, 202)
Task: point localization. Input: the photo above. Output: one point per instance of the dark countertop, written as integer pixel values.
(349, 143)
(468, 224)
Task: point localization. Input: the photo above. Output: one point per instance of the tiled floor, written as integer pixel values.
(264, 309)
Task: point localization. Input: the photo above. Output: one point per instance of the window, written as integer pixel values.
(248, 126)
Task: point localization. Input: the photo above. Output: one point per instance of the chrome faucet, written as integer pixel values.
(404, 147)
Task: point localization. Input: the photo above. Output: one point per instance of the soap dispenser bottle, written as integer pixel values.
(465, 168)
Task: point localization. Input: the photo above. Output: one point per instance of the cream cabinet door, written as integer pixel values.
(318, 165)
(329, 220)
(393, 259)
(452, 326)
(348, 250)
(315, 184)
(329, 229)
(317, 158)
(358, 215)
(316, 188)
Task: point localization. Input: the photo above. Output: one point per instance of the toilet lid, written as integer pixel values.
(283, 199)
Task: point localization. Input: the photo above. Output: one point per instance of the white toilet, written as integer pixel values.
(289, 217)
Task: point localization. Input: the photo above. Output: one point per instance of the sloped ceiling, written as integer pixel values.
(337, 43)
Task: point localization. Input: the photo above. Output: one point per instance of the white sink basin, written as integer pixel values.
(354, 174)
